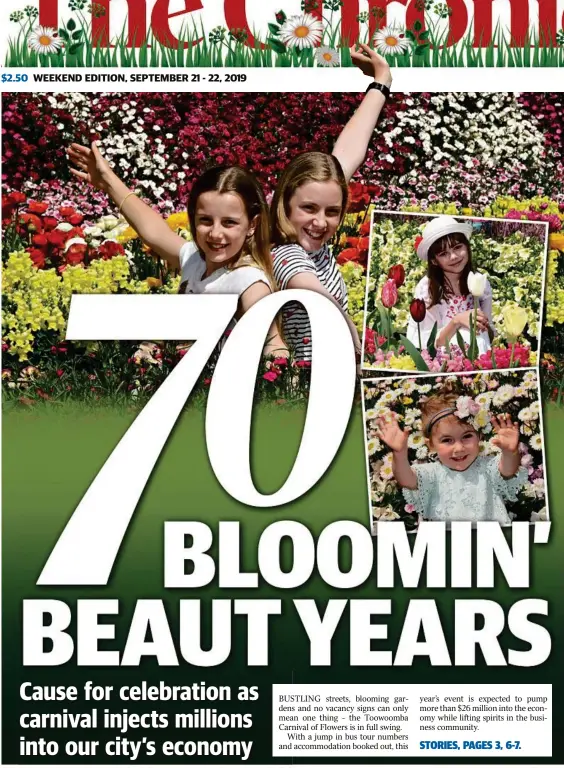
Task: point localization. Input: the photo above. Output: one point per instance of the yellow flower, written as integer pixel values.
(154, 282)
(466, 211)
(403, 362)
(556, 241)
(514, 320)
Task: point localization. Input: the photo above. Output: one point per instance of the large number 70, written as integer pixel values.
(87, 548)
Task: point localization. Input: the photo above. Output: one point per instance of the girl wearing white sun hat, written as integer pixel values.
(445, 246)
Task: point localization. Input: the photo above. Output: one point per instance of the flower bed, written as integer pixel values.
(511, 167)
(515, 393)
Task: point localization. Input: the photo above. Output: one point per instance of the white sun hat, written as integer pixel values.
(438, 227)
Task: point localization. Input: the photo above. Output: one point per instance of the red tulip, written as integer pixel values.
(390, 294)
(418, 310)
(397, 274)
(417, 241)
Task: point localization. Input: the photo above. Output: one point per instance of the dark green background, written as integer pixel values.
(52, 454)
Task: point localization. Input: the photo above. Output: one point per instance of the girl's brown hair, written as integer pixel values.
(256, 251)
(309, 166)
(439, 288)
(432, 406)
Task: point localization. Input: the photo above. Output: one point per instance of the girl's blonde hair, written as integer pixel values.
(309, 166)
(256, 250)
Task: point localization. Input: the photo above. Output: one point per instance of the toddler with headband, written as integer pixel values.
(462, 484)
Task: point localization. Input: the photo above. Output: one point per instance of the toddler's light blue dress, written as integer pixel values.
(476, 494)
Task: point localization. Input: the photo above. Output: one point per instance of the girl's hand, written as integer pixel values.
(464, 318)
(506, 433)
(93, 167)
(389, 431)
(371, 63)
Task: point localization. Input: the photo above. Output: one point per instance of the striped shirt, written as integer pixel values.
(291, 260)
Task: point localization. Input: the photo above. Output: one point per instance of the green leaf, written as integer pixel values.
(431, 349)
(424, 35)
(461, 343)
(384, 322)
(410, 36)
(417, 25)
(71, 24)
(276, 45)
(274, 28)
(77, 35)
(64, 34)
(420, 49)
(415, 354)
(75, 48)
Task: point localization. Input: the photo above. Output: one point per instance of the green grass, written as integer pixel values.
(49, 459)
(230, 53)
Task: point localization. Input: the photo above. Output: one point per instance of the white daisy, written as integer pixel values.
(327, 57)
(45, 40)
(386, 472)
(391, 40)
(503, 395)
(301, 31)
(536, 442)
(415, 440)
(373, 446)
(422, 453)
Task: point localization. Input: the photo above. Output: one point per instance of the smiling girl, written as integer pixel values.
(228, 218)
(445, 246)
(309, 205)
(462, 484)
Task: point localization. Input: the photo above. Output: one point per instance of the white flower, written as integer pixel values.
(503, 395)
(526, 414)
(373, 446)
(64, 226)
(93, 231)
(415, 440)
(391, 40)
(422, 452)
(536, 442)
(476, 284)
(384, 513)
(386, 472)
(539, 516)
(301, 31)
(327, 57)
(45, 40)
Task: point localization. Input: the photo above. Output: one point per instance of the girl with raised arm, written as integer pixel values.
(309, 205)
(462, 484)
(228, 218)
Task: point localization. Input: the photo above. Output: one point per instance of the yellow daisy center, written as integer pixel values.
(45, 40)
(327, 57)
(391, 40)
(302, 31)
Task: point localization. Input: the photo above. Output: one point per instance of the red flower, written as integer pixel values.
(37, 207)
(39, 240)
(306, 340)
(416, 242)
(207, 382)
(280, 361)
(109, 249)
(60, 372)
(369, 341)
(66, 211)
(418, 310)
(361, 243)
(389, 294)
(270, 376)
(17, 197)
(397, 274)
(49, 223)
(76, 253)
(32, 222)
(38, 257)
(349, 254)
(365, 229)
(303, 363)
(57, 238)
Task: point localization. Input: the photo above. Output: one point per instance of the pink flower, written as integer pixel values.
(270, 376)
(390, 294)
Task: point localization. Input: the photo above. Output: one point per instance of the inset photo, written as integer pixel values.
(455, 448)
(453, 294)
